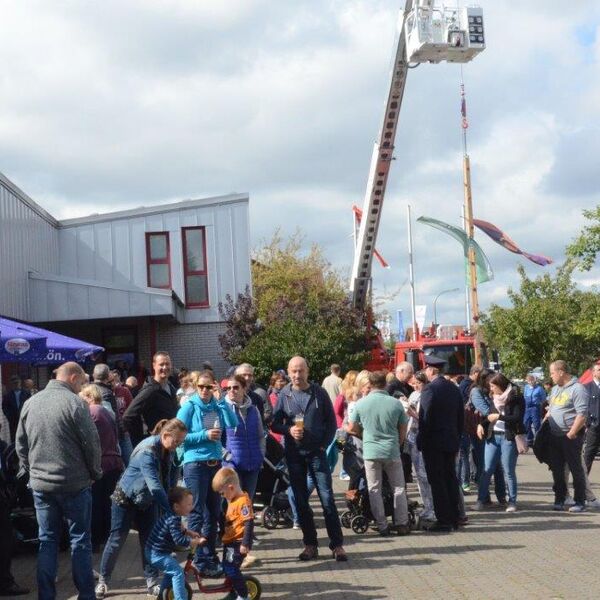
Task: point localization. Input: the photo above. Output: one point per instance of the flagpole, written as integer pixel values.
(467, 288)
(469, 228)
(411, 276)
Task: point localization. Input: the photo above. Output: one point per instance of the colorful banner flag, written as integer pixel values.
(501, 238)
(400, 326)
(484, 268)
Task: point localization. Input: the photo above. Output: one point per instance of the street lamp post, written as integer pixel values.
(435, 303)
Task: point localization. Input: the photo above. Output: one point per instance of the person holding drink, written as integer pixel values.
(205, 418)
(304, 415)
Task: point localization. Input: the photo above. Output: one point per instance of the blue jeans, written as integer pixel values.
(76, 508)
(248, 481)
(121, 520)
(310, 485)
(500, 450)
(499, 483)
(532, 422)
(204, 518)
(232, 561)
(463, 470)
(126, 448)
(173, 575)
(315, 465)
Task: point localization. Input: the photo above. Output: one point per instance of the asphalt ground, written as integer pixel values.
(533, 553)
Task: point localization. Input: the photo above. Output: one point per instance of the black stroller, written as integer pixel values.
(358, 516)
(271, 490)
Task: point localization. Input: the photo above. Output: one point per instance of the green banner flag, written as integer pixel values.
(484, 268)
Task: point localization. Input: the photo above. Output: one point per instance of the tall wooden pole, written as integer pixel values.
(468, 209)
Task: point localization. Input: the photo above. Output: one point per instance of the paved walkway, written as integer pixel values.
(534, 553)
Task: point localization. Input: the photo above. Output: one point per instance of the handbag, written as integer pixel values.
(120, 498)
(522, 444)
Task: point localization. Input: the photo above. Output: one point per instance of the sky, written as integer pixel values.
(118, 104)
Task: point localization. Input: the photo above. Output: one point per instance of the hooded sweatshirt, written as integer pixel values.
(566, 402)
(199, 417)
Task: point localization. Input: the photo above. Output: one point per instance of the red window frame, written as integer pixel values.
(158, 261)
(187, 272)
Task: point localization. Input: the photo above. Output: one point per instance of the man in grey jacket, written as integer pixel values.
(58, 444)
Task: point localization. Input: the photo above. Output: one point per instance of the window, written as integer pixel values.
(195, 270)
(158, 260)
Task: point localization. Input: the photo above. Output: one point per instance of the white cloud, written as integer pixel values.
(114, 105)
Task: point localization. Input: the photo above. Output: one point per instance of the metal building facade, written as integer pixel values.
(28, 241)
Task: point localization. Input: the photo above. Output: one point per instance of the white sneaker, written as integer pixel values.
(101, 591)
(569, 501)
(594, 504)
(512, 507)
(153, 592)
(577, 508)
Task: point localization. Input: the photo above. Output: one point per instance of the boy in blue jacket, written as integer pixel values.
(167, 536)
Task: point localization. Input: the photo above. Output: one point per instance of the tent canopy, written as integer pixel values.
(24, 343)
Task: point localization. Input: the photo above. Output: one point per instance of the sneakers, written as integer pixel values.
(577, 508)
(296, 525)
(478, 506)
(101, 591)
(593, 504)
(569, 501)
(344, 477)
(212, 571)
(466, 488)
(512, 507)
(153, 592)
(250, 561)
(558, 507)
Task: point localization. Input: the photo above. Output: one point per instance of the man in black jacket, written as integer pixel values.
(155, 401)
(592, 435)
(441, 423)
(304, 415)
(399, 386)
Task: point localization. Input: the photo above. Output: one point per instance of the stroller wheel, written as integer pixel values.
(269, 519)
(359, 524)
(345, 518)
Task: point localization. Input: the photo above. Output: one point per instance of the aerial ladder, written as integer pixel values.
(428, 32)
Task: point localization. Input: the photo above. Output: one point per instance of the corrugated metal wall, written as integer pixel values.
(115, 251)
(28, 241)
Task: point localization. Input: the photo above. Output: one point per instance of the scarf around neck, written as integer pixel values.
(500, 399)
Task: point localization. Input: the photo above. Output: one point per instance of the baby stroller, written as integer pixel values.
(271, 490)
(358, 516)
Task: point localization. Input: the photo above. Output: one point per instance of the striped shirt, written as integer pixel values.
(167, 535)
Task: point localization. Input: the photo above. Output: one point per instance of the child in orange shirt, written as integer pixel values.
(239, 526)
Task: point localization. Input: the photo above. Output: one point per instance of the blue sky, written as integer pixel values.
(118, 104)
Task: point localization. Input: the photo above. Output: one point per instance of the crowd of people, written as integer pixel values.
(179, 458)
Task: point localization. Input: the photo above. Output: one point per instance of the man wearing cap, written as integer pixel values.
(441, 423)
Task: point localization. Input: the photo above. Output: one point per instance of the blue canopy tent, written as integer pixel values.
(24, 343)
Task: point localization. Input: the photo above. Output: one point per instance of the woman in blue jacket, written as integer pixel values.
(140, 494)
(246, 442)
(205, 417)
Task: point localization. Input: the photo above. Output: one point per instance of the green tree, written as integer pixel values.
(300, 306)
(549, 319)
(586, 246)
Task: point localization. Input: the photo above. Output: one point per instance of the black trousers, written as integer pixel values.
(6, 543)
(441, 473)
(592, 444)
(101, 506)
(563, 450)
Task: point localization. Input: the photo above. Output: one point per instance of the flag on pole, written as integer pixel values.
(484, 268)
(506, 242)
(400, 326)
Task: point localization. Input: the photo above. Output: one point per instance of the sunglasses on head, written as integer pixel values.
(232, 387)
(205, 387)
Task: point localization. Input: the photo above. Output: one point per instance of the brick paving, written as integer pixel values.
(533, 553)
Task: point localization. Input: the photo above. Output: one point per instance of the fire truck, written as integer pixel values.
(428, 32)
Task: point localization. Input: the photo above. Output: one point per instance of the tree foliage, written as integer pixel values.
(549, 319)
(300, 306)
(586, 246)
